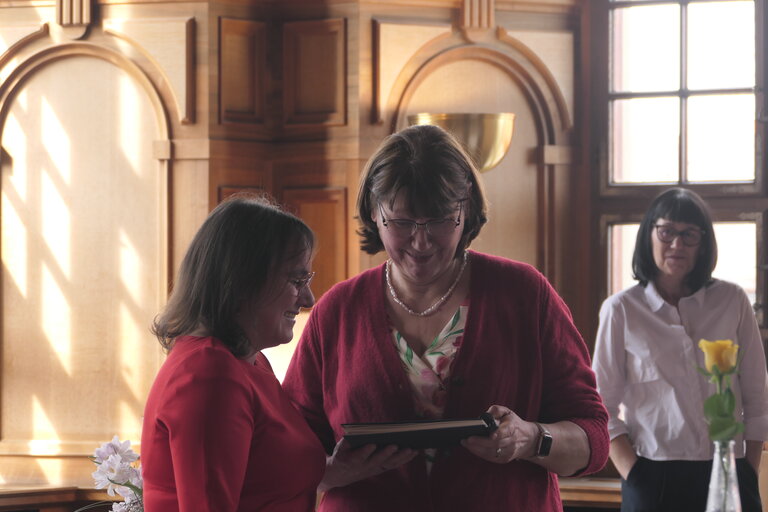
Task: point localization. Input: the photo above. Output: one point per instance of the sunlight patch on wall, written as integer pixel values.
(45, 438)
(56, 317)
(131, 136)
(14, 241)
(14, 137)
(53, 469)
(129, 335)
(55, 140)
(130, 268)
(56, 225)
(128, 423)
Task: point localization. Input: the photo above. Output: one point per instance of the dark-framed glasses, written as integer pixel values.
(301, 282)
(406, 228)
(690, 237)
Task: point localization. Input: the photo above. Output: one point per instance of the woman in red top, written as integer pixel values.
(219, 433)
(440, 332)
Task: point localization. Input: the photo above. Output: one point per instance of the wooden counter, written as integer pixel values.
(48, 498)
(591, 492)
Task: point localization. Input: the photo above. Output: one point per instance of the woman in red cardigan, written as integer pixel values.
(439, 331)
(220, 435)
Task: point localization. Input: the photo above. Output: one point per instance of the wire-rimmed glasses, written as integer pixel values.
(406, 228)
(301, 282)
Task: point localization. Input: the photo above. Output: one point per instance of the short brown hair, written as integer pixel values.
(429, 165)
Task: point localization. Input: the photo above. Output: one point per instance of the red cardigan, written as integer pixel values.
(221, 436)
(520, 350)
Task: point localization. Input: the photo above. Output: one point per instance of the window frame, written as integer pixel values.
(600, 14)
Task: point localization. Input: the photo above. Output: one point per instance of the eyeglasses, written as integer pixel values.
(301, 282)
(690, 237)
(405, 228)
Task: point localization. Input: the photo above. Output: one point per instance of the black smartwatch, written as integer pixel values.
(545, 441)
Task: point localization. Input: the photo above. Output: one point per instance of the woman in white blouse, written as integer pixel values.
(646, 356)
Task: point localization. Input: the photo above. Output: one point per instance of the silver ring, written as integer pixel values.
(498, 452)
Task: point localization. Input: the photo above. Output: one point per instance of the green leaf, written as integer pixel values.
(137, 491)
(716, 406)
(723, 429)
(455, 319)
(409, 355)
(453, 332)
(703, 371)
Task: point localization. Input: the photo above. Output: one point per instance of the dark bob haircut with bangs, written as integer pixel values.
(234, 256)
(430, 167)
(676, 205)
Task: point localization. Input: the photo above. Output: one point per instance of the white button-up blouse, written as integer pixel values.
(645, 362)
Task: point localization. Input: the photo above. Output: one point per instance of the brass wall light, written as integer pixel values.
(485, 136)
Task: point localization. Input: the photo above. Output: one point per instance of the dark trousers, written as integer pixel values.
(681, 485)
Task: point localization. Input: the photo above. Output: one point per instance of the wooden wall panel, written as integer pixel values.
(395, 44)
(171, 43)
(226, 191)
(242, 71)
(315, 73)
(84, 252)
(325, 211)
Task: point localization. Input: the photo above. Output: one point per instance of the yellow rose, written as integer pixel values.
(720, 353)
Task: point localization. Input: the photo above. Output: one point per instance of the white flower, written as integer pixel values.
(134, 505)
(113, 474)
(115, 447)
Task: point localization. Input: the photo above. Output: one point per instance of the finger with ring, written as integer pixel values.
(498, 452)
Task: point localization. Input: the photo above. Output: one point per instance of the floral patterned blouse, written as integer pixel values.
(429, 372)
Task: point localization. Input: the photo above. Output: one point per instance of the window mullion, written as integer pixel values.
(683, 155)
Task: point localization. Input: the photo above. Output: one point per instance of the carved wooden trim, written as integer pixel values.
(556, 155)
(187, 107)
(52, 448)
(547, 103)
(380, 89)
(315, 81)
(242, 46)
(19, 75)
(14, 49)
(540, 72)
(73, 12)
(191, 67)
(478, 14)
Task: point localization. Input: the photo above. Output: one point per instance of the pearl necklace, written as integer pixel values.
(431, 309)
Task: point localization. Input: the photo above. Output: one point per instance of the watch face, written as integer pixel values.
(545, 444)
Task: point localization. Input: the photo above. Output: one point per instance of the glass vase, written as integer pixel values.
(723, 485)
